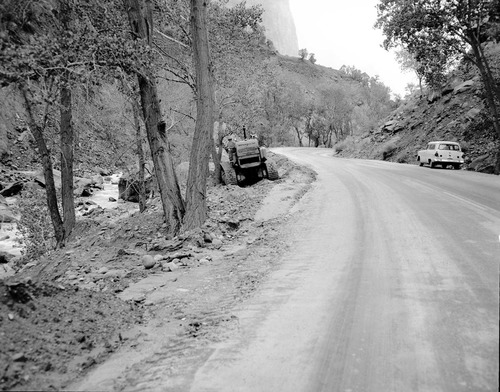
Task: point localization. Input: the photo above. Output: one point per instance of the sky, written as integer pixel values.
(341, 32)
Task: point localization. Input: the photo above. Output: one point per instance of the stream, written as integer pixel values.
(10, 236)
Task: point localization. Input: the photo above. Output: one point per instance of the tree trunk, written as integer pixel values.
(217, 154)
(141, 22)
(140, 155)
(217, 157)
(67, 148)
(491, 90)
(66, 135)
(48, 174)
(196, 207)
(131, 93)
(299, 136)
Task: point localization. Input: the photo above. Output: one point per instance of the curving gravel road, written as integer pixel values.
(391, 284)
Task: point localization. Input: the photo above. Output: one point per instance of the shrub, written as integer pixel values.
(347, 144)
(388, 150)
(35, 225)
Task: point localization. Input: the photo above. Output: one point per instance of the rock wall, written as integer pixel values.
(279, 23)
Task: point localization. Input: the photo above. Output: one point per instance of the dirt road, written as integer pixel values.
(381, 277)
(391, 285)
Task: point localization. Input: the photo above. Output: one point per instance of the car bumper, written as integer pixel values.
(449, 160)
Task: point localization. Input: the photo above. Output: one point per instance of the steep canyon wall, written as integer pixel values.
(279, 23)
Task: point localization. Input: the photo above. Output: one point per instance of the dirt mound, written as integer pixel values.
(50, 333)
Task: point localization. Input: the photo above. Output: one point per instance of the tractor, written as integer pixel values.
(248, 164)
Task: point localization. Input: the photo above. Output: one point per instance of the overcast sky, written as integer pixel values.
(340, 32)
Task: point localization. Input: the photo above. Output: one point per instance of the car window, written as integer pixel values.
(453, 147)
(431, 146)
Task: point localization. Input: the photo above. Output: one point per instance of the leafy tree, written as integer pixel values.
(440, 32)
(298, 104)
(407, 62)
(355, 74)
(236, 39)
(336, 111)
(411, 88)
(303, 53)
(312, 58)
(48, 48)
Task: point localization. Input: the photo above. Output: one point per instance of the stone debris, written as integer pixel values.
(171, 267)
(19, 357)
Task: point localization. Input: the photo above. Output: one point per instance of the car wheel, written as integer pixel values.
(431, 164)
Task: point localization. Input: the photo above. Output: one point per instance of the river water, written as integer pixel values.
(10, 237)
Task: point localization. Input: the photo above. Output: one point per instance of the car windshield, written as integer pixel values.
(453, 147)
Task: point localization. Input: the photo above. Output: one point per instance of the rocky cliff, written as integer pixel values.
(279, 24)
(457, 113)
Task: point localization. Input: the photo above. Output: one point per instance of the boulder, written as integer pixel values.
(98, 182)
(392, 126)
(473, 113)
(102, 172)
(450, 86)
(128, 187)
(40, 178)
(159, 258)
(6, 271)
(463, 86)
(12, 189)
(484, 163)
(84, 186)
(114, 273)
(217, 243)
(148, 261)
(207, 237)
(103, 270)
(6, 257)
(434, 95)
(7, 215)
(171, 266)
(25, 136)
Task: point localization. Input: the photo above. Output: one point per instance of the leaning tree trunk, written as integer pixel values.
(196, 206)
(141, 22)
(67, 137)
(48, 173)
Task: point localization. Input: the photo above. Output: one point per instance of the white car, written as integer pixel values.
(441, 153)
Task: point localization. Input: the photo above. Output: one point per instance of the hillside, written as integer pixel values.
(457, 113)
(104, 122)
